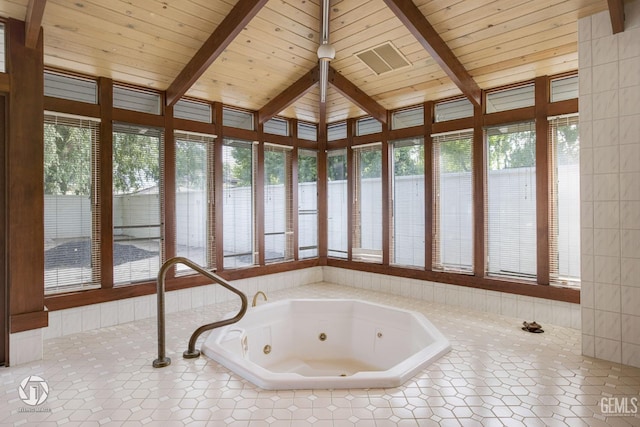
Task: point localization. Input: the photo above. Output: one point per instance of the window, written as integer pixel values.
(194, 203)
(137, 230)
(336, 131)
(307, 131)
(367, 126)
(192, 110)
(564, 88)
(278, 209)
(451, 110)
(453, 202)
(237, 118)
(511, 99)
(71, 218)
(307, 204)
(136, 100)
(277, 126)
(337, 224)
(70, 87)
(511, 204)
(407, 118)
(238, 209)
(564, 224)
(367, 203)
(408, 213)
(3, 48)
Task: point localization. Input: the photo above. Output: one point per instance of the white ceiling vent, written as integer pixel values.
(383, 58)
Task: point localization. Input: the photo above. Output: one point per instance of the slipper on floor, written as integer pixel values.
(532, 327)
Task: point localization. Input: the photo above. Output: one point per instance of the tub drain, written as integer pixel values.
(266, 349)
(322, 336)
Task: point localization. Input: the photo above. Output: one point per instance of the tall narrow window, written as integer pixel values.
(238, 208)
(367, 204)
(453, 202)
(307, 203)
(278, 209)
(511, 203)
(565, 201)
(195, 214)
(337, 224)
(71, 220)
(137, 232)
(408, 203)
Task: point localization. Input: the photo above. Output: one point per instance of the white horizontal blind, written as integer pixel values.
(71, 216)
(511, 200)
(278, 203)
(3, 50)
(276, 126)
(510, 99)
(192, 110)
(307, 204)
(70, 87)
(136, 100)
(367, 126)
(451, 110)
(337, 224)
(137, 200)
(307, 131)
(564, 206)
(407, 118)
(195, 213)
(408, 215)
(237, 118)
(453, 202)
(336, 131)
(238, 206)
(367, 204)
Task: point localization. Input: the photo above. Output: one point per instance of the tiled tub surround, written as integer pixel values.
(610, 192)
(496, 374)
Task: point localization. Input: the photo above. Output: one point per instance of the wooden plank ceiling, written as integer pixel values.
(154, 43)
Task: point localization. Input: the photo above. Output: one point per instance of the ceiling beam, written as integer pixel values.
(228, 29)
(289, 95)
(358, 97)
(33, 22)
(616, 12)
(419, 26)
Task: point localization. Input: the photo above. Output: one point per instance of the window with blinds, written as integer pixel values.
(195, 209)
(238, 162)
(453, 202)
(366, 237)
(307, 204)
(511, 200)
(407, 214)
(137, 200)
(564, 203)
(278, 203)
(71, 217)
(337, 224)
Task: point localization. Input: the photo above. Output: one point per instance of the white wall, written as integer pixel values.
(609, 67)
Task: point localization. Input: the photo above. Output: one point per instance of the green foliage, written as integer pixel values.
(370, 163)
(456, 156)
(408, 160)
(136, 162)
(67, 160)
(191, 164)
(337, 167)
(512, 150)
(307, 168)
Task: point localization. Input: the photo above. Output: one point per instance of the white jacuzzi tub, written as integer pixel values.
(325, 344)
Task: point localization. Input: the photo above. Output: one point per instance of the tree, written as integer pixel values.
(136, 162)
(191, 164)
(408, 160)
(67, 159)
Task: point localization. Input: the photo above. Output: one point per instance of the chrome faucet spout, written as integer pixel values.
(255, 298)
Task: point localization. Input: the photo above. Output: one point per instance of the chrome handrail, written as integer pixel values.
(191, 351)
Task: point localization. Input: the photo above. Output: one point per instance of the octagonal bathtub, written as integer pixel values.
(326, 344)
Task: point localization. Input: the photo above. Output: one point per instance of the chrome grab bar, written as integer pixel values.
(191, 352)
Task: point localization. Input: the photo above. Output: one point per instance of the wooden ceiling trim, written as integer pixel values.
(223, 35)
(358, 97)
(33, 22)
(616, 12)
(418, 25)
(289, 96)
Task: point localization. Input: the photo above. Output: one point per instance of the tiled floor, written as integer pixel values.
(495, 375)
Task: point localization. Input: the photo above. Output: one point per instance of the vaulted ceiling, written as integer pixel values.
(261, 54)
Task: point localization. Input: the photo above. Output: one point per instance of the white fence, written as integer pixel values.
(69, 217)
